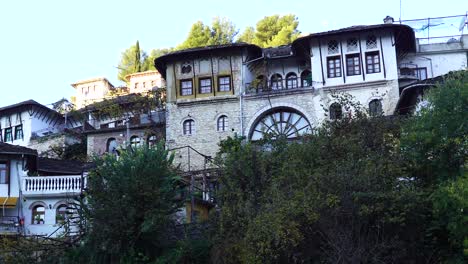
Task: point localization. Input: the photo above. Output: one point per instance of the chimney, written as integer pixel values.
(388, 20)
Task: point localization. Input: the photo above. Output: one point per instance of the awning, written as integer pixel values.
(8, 202)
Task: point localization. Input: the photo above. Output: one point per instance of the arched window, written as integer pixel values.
(61, 214)
(291, 80)
(111, 146)
(375, 108)
(276, 82)
(152, 140)
(335, 111)
(282, 122)
(38, 214)
(134, 141)
(306, 78)
(222, 123)
(189, 127)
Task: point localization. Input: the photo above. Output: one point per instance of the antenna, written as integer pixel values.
(400, 11)
(462, 24)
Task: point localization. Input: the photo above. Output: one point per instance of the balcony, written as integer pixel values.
(9, 225)
(53, 186)
(288, 85)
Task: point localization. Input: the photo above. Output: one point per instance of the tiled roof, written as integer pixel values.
(9, 149)
(65, 167)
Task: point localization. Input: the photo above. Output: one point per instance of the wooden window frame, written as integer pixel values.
(334, 63)
(220, 85)
(291, 81)
(20, 130)
(8, 131)
(34, 213)
(222, 123)
(372, 67)
(353, 64)
(201, 87)
(182, 87)
(7, 171)
(188, 127)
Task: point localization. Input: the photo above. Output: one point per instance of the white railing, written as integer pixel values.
(53, 185)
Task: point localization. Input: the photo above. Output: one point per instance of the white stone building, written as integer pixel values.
(36, 194)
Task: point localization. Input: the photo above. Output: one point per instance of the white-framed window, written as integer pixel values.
(222, 123)
(189, 127)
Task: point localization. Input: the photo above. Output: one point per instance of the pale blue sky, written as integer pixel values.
(47, 45)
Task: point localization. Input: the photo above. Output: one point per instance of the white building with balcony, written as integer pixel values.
(37, 194)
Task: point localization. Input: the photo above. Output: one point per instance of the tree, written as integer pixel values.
(132, 202)
(155, 53)
(222, 31)
(132, 60)
(272, 31)
(335, 195)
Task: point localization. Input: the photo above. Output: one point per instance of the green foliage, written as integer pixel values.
(132, 60)
(155, 53)
(436, 138)
(336, 194)
(132, 201)
(272, 31)
(222, 31)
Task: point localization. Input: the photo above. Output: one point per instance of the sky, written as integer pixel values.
(47, 45)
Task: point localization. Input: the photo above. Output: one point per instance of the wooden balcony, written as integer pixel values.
(53, 186)
(278, 86)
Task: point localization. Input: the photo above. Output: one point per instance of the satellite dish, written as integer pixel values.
(462, 24)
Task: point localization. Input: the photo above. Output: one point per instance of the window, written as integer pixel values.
(421, 73)
(4, 173)
(291, 80)
(306, 78)
(186, 87)
(38, 213)
(136, 85)
(8, 134)
(333, 47)
(334, 67)
(205, 86)
(353, 65)
(375, 108)
(134, 141)
(186, 68)
(224, 83)
(280, 123)
(372, 62)
(61, 214)
(111, 146)
(189, 127)
(352, 44)
(371, 42)
(19, 132)
(152, 140)
(336, 111)
(276, 82)
(261, 82)
(222, 123)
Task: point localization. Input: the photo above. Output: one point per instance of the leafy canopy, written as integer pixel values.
(272, 31)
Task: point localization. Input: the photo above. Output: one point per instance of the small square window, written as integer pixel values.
(186, 87)
(224, 83)
(205, 86)
(353, 65)
(334, 67)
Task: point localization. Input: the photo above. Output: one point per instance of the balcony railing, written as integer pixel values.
(53, 185)
(9, 225)
(277, 86)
